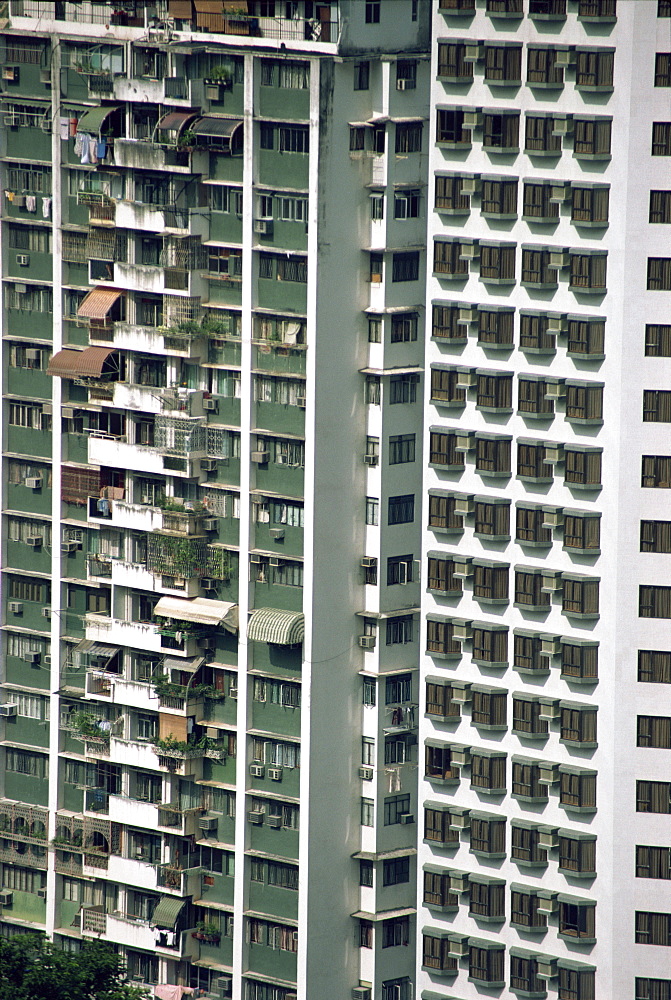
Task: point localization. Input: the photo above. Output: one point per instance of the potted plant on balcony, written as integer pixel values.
(207, 931)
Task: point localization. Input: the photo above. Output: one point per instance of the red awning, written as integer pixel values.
(79, 364)
(98, 303)
(174, 121)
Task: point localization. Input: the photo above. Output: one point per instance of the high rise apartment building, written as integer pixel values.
(213, 287)
(330, 522)
(545, 716)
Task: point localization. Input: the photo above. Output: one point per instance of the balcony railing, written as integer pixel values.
(94, 920)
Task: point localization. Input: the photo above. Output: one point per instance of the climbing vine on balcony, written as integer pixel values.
(186, 558)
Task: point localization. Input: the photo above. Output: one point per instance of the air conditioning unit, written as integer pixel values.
(559, 258)
(368, 562)
(212, 92)
(257, 770)
(264, 227)
(275, 773)
(370, 459)
(255, 816)
(277, 533)
(406, 818)
(550, 645)
(549, 712)
(45, 76)
(224, 982)
(460, 755)
(469, 314)
(10, 73)
(460, 821)
(33, 482)
(462, 631)
(47, 409)
(208, 583)
(34, 541)
(232, 692)
(559, 193)
(469, 251)
(6, 896)
(466, 379)
(210, 523)
(260, 457)
(275, 561)
(551, 582)
(562, 126)
(405, 84)
(361, 993)
(564, 58)
(208, 464)
(553, 517)
(208, 823)
(546, 967)
(46, 613)
(67, 412)
(32, 657)
(459, 948)
(255, 559)
(275, 822)
(470, 185)
(463, 567)
(42, 893)
(557, 323)
(548, 905)
(15, 607)
(366, 773)
(474, 52)
(67, 547)
(301, 401)
(7, 711)
(459, 882)
(465, 441)
(555, 390)
(23, 259)
(367, 641)
(554, 453)
(472, 119)
(464, 505)
(47, 658)
(548, 774)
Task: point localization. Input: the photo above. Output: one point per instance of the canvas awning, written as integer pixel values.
(98, 303)
(219, 127)
(88, 363)
(283, 628)
(91, 648)
(174, 121)
(187, 665)
(94, 119)
(166, 913)
(181, 9)
(199, 610)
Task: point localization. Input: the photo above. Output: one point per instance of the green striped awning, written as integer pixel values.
(284, 628)
(167, 910)
(94, 119)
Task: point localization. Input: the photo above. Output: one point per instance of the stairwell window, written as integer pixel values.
(653, 731)
(408, 138)
(654, 666)
(659, 274)
(401, 449)
(399, 630)
(663, 69)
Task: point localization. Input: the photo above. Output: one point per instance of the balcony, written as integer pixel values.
(129, 692)
(133, 753)
(134, 812)
(140, 154)
(119, 453)
(155, 340)
(141, 635)
(180, 881)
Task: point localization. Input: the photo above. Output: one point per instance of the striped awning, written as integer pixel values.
(199, 610)
(174, 121)
(88, 363)
(283, 628)
(94, 119)
(220, 127)
(166, 913)
(98, 303)
(92, 648)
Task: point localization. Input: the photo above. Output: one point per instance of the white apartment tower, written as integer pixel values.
(545, 715)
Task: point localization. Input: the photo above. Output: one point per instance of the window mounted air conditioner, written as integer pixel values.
(550, 645)
(367, 641)
(368, 562)
(6, 896)
(264, 227)
(472, 119)
(468, 314)
(33, 482)
(211, 405)
(208, 583)
(15, 607)
(463, 567)
(276, 562)
(260, 457)
(255, 816)
(10, 73)
(562, 126)
(466, 379)
(557, 324)
(31, 657)
(459, 882)
(208, 464)
(361, 993)
(458, 948)
(405, 84)
(301, 401)
(551, 582)
(210, 523)
(68, 547)
(257, 770)
(47, 409)
(35, 541)
(461, 755)
(469, 251)
(275, 822)
(275, 773)
(554, 453)
(42, 893)
(277, 534)
(559, 258)
(208, 823)
(47, 658)
(463, 632)
(371, 459)
(46, 613)
(7, 711)
(23, 259)
(464, 505)
(45, 76)
(67, 412)
(366, 773)
(559, 193)
(549, 712)
(470, 185)
(33, 354)
(546, 968)
(555, 390)
(548, 774)
(548, 904)
(460, 821)
(564, 58)
(406, 818)
(465, 441)
(232, 692)
(474, 52)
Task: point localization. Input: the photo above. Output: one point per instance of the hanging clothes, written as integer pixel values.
(31, 203)
(101, 149)
(93, 147)
(46, 207)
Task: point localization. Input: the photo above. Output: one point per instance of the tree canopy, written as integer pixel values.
(33, 968)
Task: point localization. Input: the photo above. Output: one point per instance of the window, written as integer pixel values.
(441, 576)
(542, 69)
(32, 765)
(408, 138)
(492, 455)
(661, 138)
(449, 196)
(366, 873)
(437, 890)
(488, 770)
(444, 387)
(531, 464)
(654, 602)
(655, 536)
(395, 932)
(497, 263)
(527, 652)
(588, 272)
(532, 398)
(486, 964)
(539, 136)
(504, 7)
(443, 450)
(367, 812)
(594, 69)
(537, 204)
(406, 74)
(583, 466)
(656, 471)
(580, 596)
(452, 66)
(403, 328)
(369, 696)
(495, 327)
(653, 928)
(524, 969)
(486, 898)
(403, 389)
(534, 335)
(579, 659)
(593, 9)
(405, 266)
(584, 402)
(488, 835)
(447, 258)
(526, 716)
(526, 783)
(361, 75)
(25, 589)
(663, 69)
(401, 509)
(653, 862)
(450, 128)
(577, 724)
(501, 131)
(490, 583)
(399, 630)
(372, 510)
(525, 844)
(402, 448)
(654, 666)
(31, 238)
(399, 570)
(530, 529)
(577, 788)
(372, 11)
(440, 638)
(494, 391)
(575, 984)
(537, 270)
(589, 205)
(29, 415)
(591, 136)
(582, 531)
(653, 796)
(439, 701)
(436, 954)
(396, 871)
(586, 336)
(437, 828)
(492, 519)
(438, 764)
(503, 64)
(577, 852)
(653, 731)
(499, 197)
(654, 989)
(658, 340)
(659, 274)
